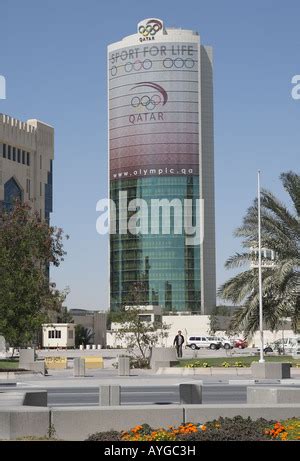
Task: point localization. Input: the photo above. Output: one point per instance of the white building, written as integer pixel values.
(196, 325)
(58, 335)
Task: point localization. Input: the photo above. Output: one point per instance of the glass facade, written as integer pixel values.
(168, 268)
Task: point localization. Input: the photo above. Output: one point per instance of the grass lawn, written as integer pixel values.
(246, 361)
(8, 363)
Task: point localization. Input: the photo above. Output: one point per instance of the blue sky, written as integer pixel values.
(53, 55)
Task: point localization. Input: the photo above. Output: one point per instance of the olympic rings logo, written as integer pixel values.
(151, 28)
(133, 66)
(138, 65)
(168, 63)
(179, 63)
(146, 101)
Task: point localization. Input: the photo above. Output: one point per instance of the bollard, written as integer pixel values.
(27, 356)
(87, 347)
(94, 347)
(190, 393)
(109, 395)
(123, 365)
(81, 347)
(79, 366)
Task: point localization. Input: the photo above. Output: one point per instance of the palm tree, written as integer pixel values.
(83, 335)
(280, 230)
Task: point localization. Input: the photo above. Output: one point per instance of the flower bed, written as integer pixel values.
(222, 429)
(230, 362)
(198, 364)
(286, 430)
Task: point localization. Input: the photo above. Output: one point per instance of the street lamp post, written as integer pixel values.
(261, 360)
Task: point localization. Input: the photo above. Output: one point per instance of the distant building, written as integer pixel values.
(26, 162)
(94, 321)
(148, 313)
(268, 257)
(58, 335)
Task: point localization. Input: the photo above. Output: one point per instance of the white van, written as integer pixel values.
(288, 345)
(225, 342)
(208, 342)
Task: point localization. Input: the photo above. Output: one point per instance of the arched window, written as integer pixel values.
(12, 192)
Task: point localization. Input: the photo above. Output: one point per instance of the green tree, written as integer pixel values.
(139, 334)
(281, 279)
(28, 246)
(64, 316)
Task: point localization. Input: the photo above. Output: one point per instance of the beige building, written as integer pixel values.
(26, 156)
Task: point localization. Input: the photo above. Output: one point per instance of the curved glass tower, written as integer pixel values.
(161, 148)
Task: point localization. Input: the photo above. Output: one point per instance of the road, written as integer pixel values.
(134, 395)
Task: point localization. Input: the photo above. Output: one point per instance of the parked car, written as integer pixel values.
(240, 343)
(280, 345)
(197, 342)
(225, 342)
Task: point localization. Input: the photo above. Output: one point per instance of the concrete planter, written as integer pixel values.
(163, 357)
(271, 370)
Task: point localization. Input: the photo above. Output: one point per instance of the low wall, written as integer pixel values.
(209, 371)
(204, 413)
(213, 371)
(76, 423)
(23, 422)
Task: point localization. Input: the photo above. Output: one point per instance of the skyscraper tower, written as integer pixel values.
(161, 147)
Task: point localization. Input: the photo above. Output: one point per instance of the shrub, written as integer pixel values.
(109, 436)
(139, 362)
(197, 364)
(221, 429)
(239, 365)
(136, 362)
(227, 429)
